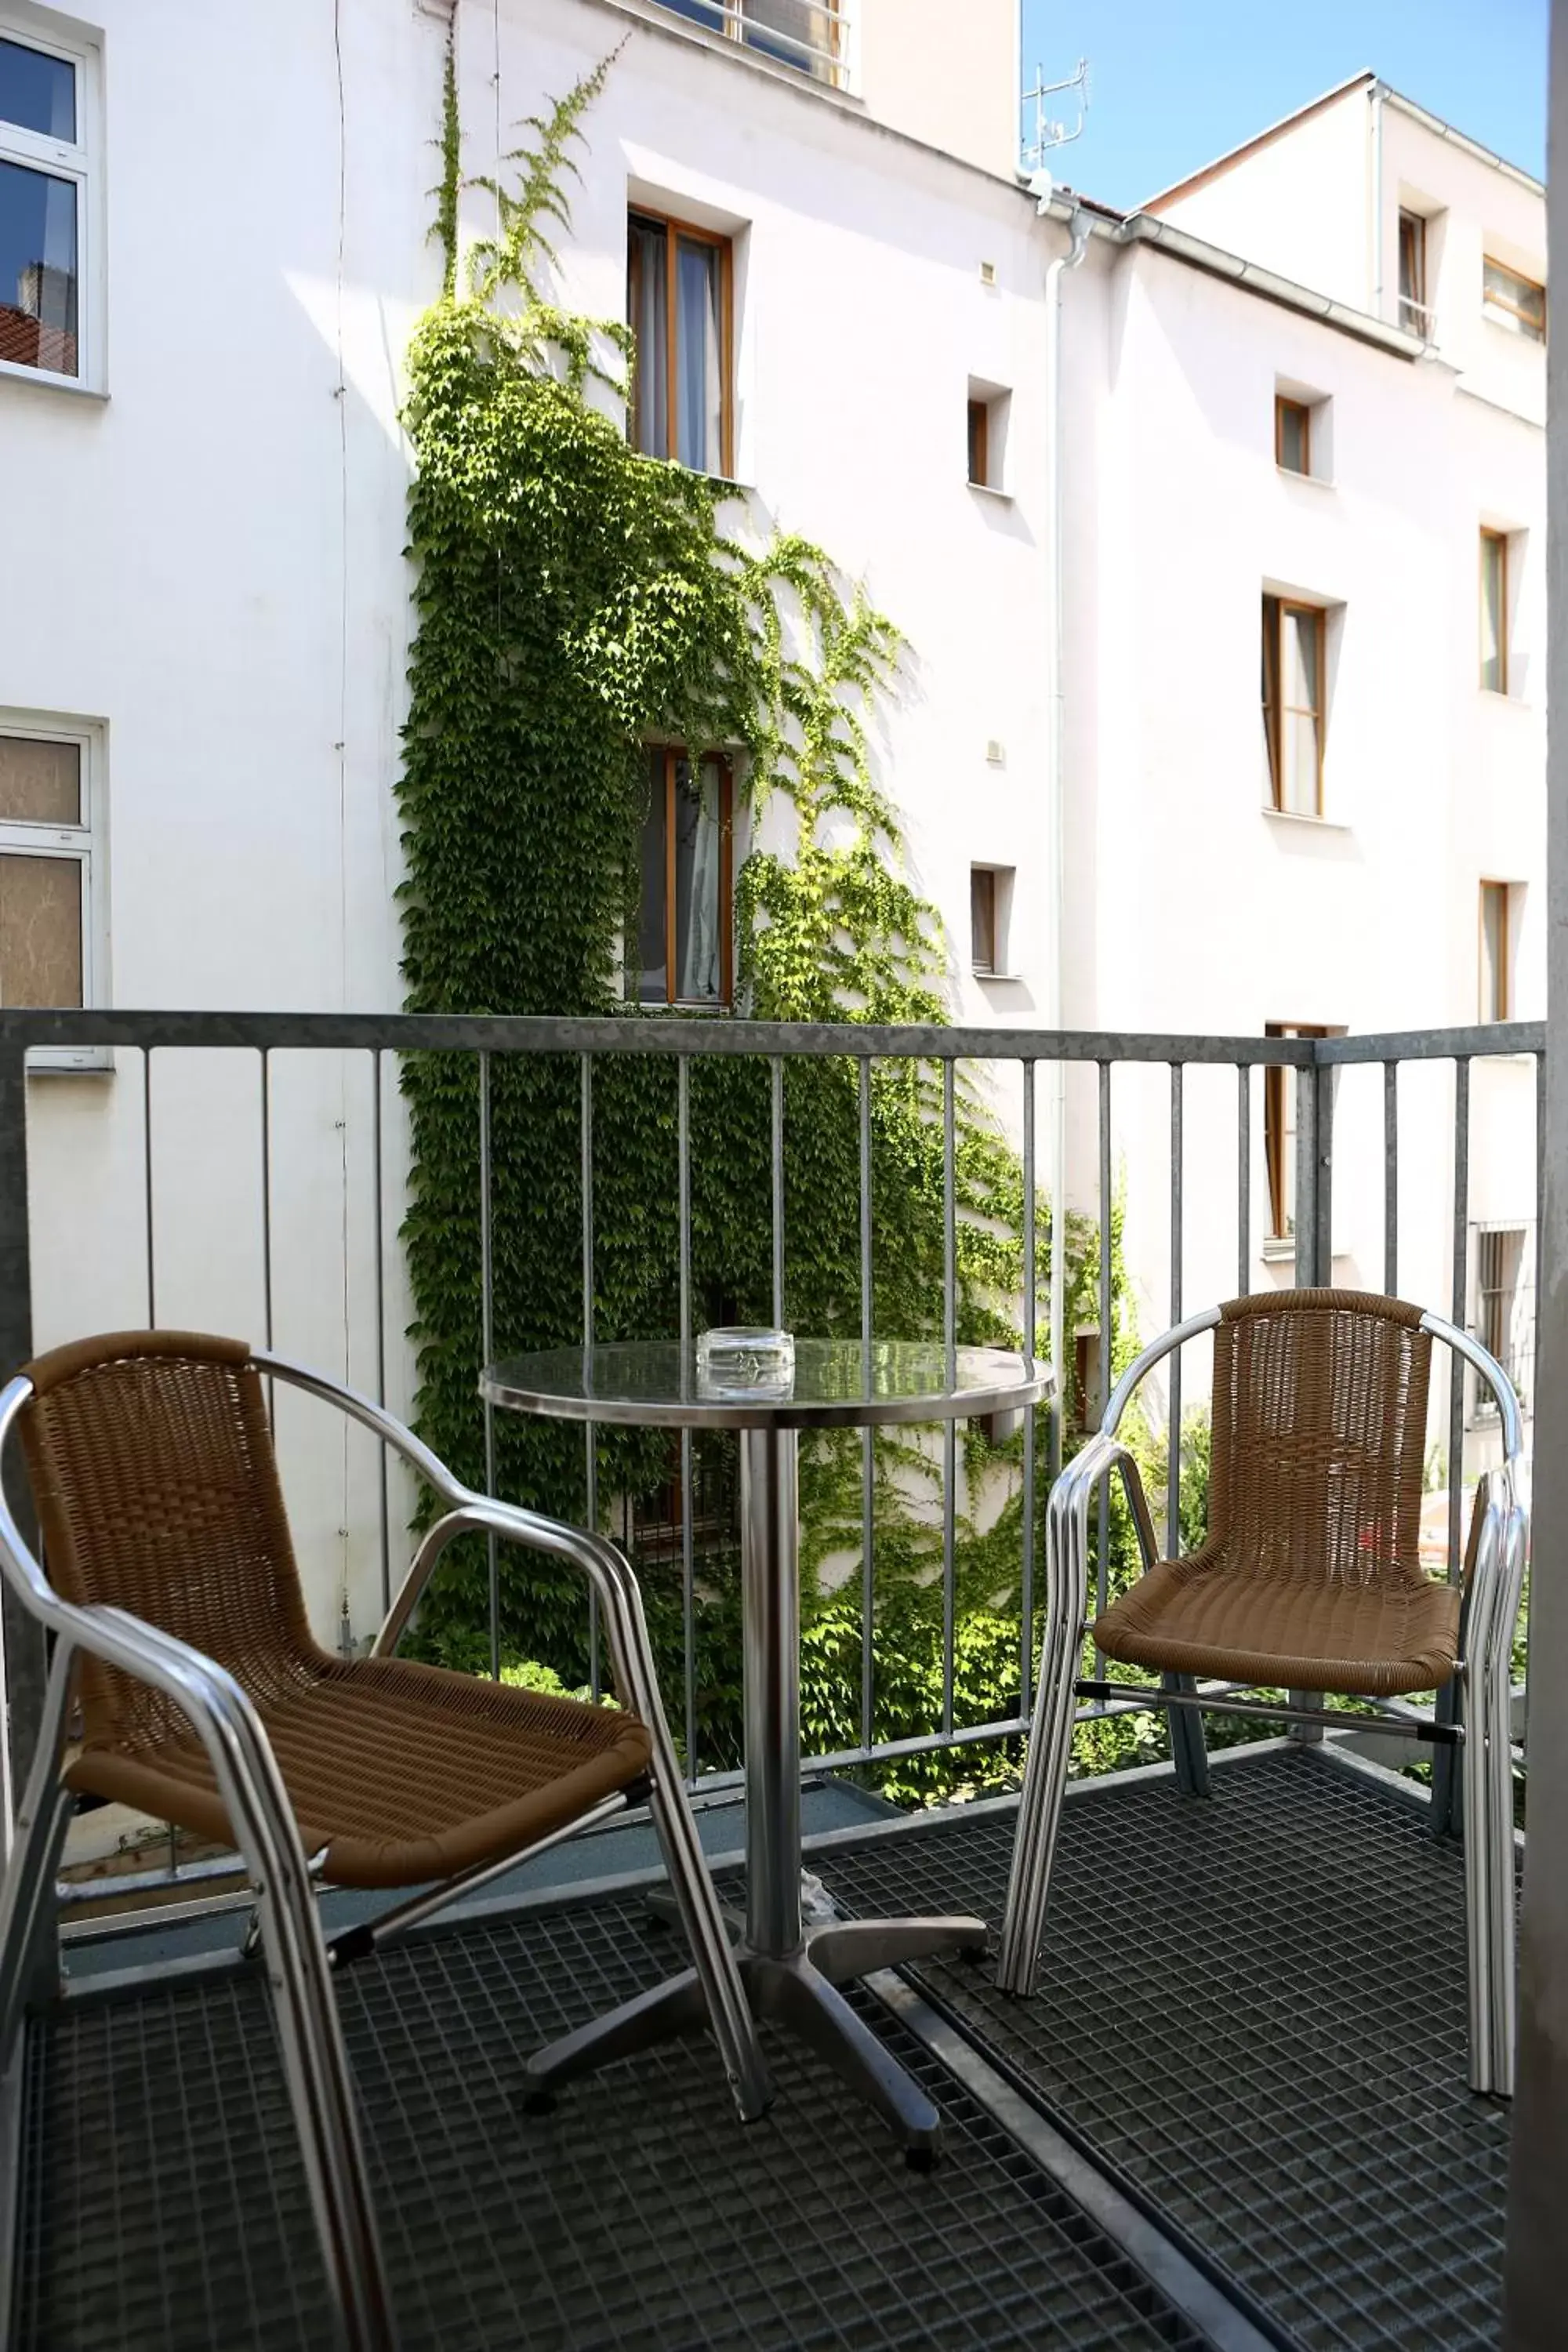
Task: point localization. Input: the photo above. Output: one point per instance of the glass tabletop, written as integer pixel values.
(837, 1383)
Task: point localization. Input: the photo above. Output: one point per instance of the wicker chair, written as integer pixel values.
(175, 1607)
(1310, 1580)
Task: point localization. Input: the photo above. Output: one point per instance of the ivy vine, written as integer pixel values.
(575, 600)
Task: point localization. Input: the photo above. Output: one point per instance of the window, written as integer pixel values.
(1293, 705)
(805, 34)
(1494, 610)
(678, 282)
(1498, 927)
(990, 914)
(1292, 435)
(1414, 315)
(47, 789)
(979, 436)
(1512, 302)
(44, 223)
(1502, 1309)
(1279, 1130)
(684, 923)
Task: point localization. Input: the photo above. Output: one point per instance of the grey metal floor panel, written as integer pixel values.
(1253, 2008)
(165, 2206)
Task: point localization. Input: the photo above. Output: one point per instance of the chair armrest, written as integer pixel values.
(1082, 1475)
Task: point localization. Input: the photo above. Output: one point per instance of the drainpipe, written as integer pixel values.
(1375, 305)
(1056, 825)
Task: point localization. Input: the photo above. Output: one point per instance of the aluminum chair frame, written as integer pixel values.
(1496, 1556)
(299, 1962)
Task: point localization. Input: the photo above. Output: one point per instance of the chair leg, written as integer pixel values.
(1480, 1940)
(1051, 1748)
(1189, 1750)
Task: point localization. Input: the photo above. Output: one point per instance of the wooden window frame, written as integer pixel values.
(1273, 704)
(675, 228)
(1302, 408)
(1492, 301)
(1498, 538)
(1282, 1228)
(1416, 300)
(670, 755)
(1504, 990)
(978, 423)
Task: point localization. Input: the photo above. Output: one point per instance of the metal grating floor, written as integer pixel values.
(1253, 2010)
(165, 2206)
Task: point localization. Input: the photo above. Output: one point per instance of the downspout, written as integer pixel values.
(1055, 815)
(1375, 305)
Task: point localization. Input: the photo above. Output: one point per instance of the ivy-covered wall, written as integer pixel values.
(574, 601)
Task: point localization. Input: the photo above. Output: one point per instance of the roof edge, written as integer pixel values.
(1223, 164)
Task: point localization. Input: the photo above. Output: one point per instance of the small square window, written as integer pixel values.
(990, 920)
(1292, 436)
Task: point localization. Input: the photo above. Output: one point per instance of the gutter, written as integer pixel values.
(1149, 228)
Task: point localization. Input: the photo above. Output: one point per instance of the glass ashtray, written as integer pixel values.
(743, 1362)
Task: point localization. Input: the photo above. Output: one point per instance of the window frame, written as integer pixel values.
(1524, 324)
(1302, 408)
(1274, 707)
(1501, 993)
(675, 228)
(1499, 1304)
(1417, 302)
(1277, 1128)
(84, 843)
(79, 161)
(1498, 538)
(670, 755)
(978, 423)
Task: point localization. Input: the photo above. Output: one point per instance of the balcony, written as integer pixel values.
(1235, 2111)
(810, 36)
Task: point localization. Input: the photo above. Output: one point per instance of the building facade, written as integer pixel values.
(1214, 532)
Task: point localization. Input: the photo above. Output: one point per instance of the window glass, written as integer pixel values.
(1494, 952)
(1514, 302)
(698, 850)
(699, 344)
(37, 92)
(1413, 313)
(38, 269)
(40, 931)
(978, 437)
(1292, 437)
(1299, 738)
(1494, 613)
(40, 783)
(647, 309)
(653, 954)
(982, 919)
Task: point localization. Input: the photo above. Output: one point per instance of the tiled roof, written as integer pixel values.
(26, 342)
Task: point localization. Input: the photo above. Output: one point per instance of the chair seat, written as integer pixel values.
(1225, 1620)
(404, 1772)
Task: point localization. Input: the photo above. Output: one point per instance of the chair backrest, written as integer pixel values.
(1319, 1437)
(157, 1490)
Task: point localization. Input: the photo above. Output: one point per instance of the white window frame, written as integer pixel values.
(85, 844)
(56, 37)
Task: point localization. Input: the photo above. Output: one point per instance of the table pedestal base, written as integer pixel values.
(799, 1991)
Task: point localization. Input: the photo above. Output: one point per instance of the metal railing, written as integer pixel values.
(811, 36)
(1010, 1062)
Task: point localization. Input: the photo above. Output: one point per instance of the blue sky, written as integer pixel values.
(1173, 83)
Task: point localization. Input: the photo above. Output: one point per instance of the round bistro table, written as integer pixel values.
(790, 1967)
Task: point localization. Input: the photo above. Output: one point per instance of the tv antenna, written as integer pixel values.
(1048, 130)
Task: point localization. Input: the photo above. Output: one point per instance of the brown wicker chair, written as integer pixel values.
(205, 1702)
(1309, 1579)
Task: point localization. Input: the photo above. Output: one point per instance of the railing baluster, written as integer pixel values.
(147, 1186)
(1107, 1311)
(1173, 1466)
(488, 1350)
(589, 1433)
(1242, 1179)
(868, 1436)
(1391, 1179)
(949, 1334)
(1459, 1304)
(265, 1200)
(688, 1556)
(379, 1244)
(776, 1162)
(1031, 1343)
